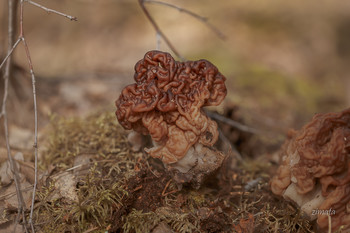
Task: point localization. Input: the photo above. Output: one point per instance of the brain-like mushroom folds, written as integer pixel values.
(315, 170)
(166, 101)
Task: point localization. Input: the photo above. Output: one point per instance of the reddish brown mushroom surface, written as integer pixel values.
(315, 170)
(166, 102)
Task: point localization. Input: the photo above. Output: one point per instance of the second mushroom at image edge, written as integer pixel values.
(315, 170)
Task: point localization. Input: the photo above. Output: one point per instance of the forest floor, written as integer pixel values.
(92, 181)
(283, 62)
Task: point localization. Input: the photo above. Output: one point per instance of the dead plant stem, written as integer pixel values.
(158, 31)
(191, 13)
(35, 115)
(48, 10)
(12, 7)
(9, 53)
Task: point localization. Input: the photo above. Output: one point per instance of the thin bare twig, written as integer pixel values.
(48, 10)
(158, 37)
(12, 46)
(158, 31)
(12, 4)
(191, 13)
(35, 115)
(9, 53)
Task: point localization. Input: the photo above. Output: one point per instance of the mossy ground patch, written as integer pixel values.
(124, 191)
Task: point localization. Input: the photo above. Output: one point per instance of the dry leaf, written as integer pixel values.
(245, 225)
(25, 169)
(21, 137)
(10, 226)
(6, 174)
(82, 163)
(66, 186)
(9, 195)
(3, 155)
(162, 227)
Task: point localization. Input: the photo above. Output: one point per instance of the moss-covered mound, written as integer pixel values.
(94, 182)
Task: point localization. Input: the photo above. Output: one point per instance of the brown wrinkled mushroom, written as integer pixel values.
(315, 170)
(166, 102)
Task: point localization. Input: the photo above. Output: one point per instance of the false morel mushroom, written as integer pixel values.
(315, 170)
(166, 103)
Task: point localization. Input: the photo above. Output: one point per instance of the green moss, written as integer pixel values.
(98, 135)
(97, 199)
(140, 222)
(3, 216)
(102, 189)
(196, 200)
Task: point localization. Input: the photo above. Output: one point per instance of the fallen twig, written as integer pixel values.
(232, 123)
(166, 187)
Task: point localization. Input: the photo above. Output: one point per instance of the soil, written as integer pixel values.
(144, 193)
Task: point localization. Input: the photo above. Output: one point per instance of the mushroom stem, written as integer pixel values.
(198, 162)
(197, 156)
(136, 140)
(308, 202)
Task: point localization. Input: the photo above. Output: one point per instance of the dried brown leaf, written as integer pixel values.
(66, 186)
(245, 225)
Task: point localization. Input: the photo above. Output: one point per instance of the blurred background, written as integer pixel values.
(284, 60)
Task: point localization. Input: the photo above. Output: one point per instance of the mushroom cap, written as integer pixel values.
(319, 156)
(166, 100)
